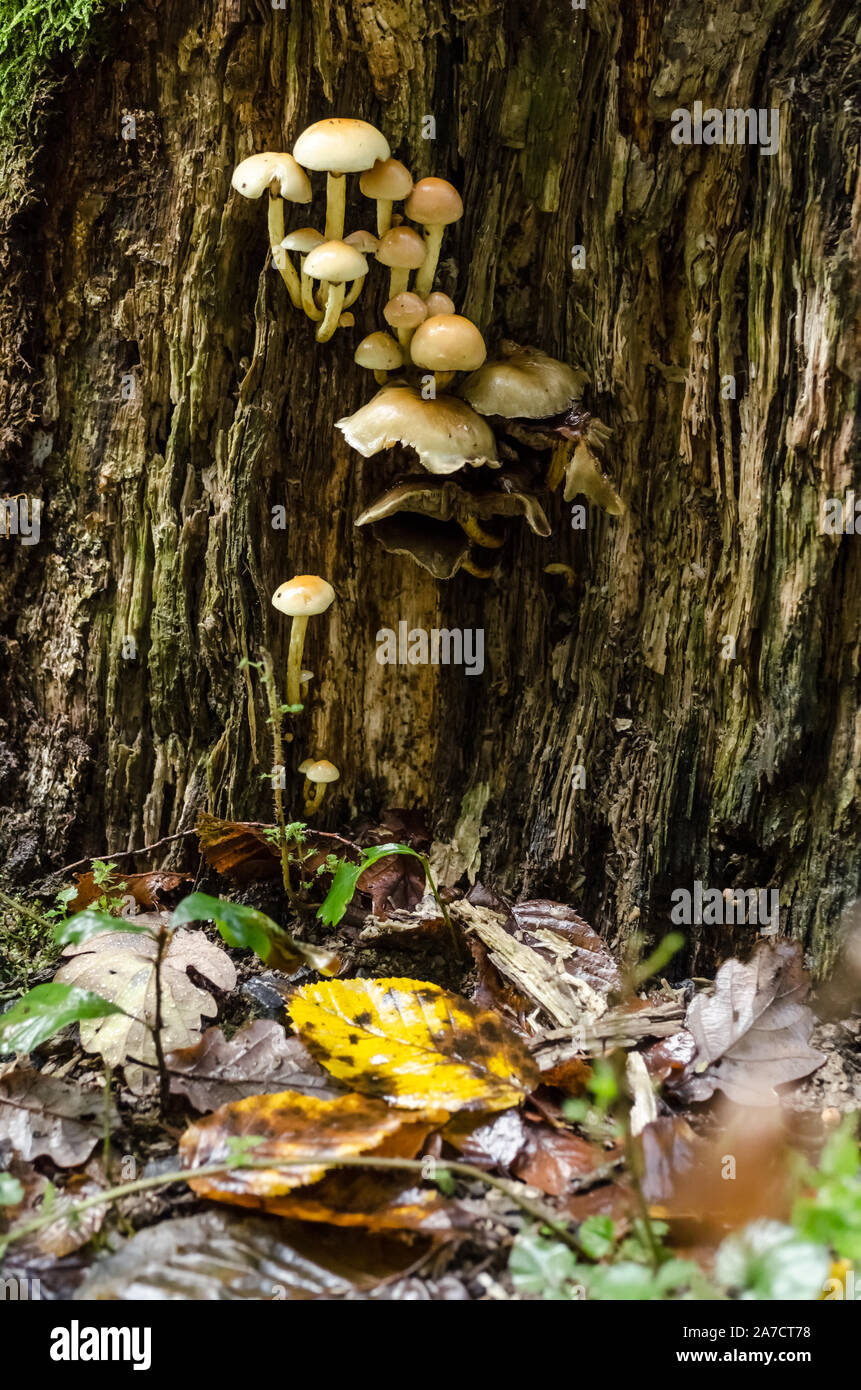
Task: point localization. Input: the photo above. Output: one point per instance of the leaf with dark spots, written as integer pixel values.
(419, 1046)
(260, 1059)
(753, 1032)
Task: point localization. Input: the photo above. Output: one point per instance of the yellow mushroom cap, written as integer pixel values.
(303, 240)
(401, 247)
(365, 242)
(389, 179)
(448, 343)
(303, 767)
(335, 262)
(322, 771)
(303, 596)
(254, 175)
(445, 432)
(406, 310)
(434, 202)
(439, 303)
(379, 352)
(523, 384)
(340, 145)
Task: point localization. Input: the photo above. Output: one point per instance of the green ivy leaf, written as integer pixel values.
(47, 1009)
(595, 1236)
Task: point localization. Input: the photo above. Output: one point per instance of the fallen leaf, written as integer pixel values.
(40, 1115)
(397, 881)
(244, 852)
(494, 1143)
(224, 1256)
(559, 934)
(373, 1200)
(121, 967)
(413, 1044)
(552, 1158)
(287, 1126)
(670, 1056)
(260, 1059)
(148, 890)
(753, 1032)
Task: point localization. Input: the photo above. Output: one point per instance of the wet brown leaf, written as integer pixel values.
(260, 1059)
(148, 890)
(40, 1115)
(552, 1158)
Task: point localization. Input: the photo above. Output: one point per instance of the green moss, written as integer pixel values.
(34, 34)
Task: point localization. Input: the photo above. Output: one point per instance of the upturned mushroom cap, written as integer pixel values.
(448, 343)
(379, 352)
(439, 303)
(445, 432)
(406, 310)
(401, 247)
(303, 596)
(303, 240)
(322, 771)
(523, 384)
(341, 145)
(434, 202)
(506, 497)
(365, 242)
(253, 176)
(389, 179)
(335, 262)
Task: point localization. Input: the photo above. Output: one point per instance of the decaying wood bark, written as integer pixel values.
(133, 259)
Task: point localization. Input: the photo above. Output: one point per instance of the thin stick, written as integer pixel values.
(278, 750)
(121, 854)
(163, 1075)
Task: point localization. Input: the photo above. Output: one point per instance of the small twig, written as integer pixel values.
(278, 750)
(163, 1076)
(106, 1124)
(121, 854)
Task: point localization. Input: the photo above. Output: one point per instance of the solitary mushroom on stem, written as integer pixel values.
(445, 344)
(282, 176)
(317, 778)
(300, 598)
(434, 204)
(380, 354)
(337, 147)
(402, 250)
(387, 181)
(334, 262)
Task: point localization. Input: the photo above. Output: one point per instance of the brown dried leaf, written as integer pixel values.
(260, 1059)
(148, 890)
(753, 1032)
(242, 850)
(551, 1158)
(40, 1115)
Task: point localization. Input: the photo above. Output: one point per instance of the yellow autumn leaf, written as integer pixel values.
(288, 1125)
(413, 1044)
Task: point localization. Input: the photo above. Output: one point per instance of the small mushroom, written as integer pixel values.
(303, 767)
(317, 778)
(402, 250)
(405, 312)
(367, 243)
(303, 240)
(283, 177)
(300, 598)
(445, 344)
(305, 678)
(339, 146)
(387, 182)
(523, 384)
(434, 204)
(439, 303)
(445, 432)
(335, 263)
(380, 354)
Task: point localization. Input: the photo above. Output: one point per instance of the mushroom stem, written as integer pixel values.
(354, 292)
(381, 377)
(280, 258)
(333, 312)
(477, 533)
(427, 270)
(294, 660)
(558, 462)
(384, 215)
(399, 279)
(336, 204)
(443, 379)
(314, 793)
(472, 568)
(309, 304)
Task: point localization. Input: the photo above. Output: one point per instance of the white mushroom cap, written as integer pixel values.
(448, 343)
(406, 310)
(365, 242)
(335, 262)
(340, 145)
(523, 384)
(434, 202)
(303, 596)
(389, 179)
(303, 240)
(445, 432)
(322, 771)
(403, 248)
(379, 352)
(254, 175)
